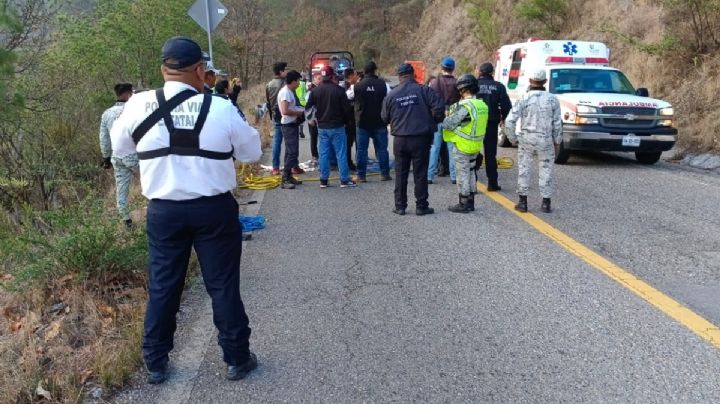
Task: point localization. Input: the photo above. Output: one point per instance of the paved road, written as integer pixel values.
(351, 303)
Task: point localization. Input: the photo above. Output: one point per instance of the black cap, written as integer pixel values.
(183, 51)
(370, 67)
(486, 68)
(405, 69)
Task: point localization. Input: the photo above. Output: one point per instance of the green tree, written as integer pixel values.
(486, 28)
(548, 15)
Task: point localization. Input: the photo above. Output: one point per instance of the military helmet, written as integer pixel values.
(467, 81)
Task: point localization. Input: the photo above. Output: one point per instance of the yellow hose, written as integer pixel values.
(251, 181)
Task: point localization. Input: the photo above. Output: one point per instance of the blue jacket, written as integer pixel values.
(412, 109)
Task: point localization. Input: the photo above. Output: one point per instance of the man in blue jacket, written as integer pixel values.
(413, 112)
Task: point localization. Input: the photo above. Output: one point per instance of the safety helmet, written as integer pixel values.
(448, 63)
(467, 81)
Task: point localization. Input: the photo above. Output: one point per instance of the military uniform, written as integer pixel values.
(124, 166)
(540, 131)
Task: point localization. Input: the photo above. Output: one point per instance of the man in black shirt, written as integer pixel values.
(495, 96)
(369, 96)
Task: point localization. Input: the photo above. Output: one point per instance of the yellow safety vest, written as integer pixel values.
(468, 138)
(301, 92)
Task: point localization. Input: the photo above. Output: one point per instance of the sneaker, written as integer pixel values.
(385, 178)
(347, 184)
(297, 171)
(324, 184)
(358, 178)
(493, 188)
(157, 376)
(275, 171)
(240, 371)
(287, 185)
(400, 212)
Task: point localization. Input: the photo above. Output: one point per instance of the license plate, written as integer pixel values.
(631, 141)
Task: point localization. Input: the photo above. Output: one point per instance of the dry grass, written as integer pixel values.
(94, 340)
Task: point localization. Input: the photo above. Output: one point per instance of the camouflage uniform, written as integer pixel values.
(464, 163)
(540, 130)
(124, 166)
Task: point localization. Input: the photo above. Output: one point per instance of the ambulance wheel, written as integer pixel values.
(503, 141)
(562, 155)
(647, 158)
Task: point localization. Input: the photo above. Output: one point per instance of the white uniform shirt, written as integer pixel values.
(288, 95)
(177, 177)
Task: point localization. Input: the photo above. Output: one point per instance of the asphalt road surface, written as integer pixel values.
(351, 303)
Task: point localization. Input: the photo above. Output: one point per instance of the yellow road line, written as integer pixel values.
(671, 307)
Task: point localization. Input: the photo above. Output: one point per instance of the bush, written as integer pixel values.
(482, 13)
(85, 241)
(549, 15)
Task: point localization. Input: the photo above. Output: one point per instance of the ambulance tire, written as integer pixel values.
(562, 155)
(503, 140)
(647, 158)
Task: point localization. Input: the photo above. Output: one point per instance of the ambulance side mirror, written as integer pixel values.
(642, 92)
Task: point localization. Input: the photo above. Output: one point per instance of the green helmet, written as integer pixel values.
(467, 81)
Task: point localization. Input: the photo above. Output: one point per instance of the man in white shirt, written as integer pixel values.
(290, 122)
(186, 142)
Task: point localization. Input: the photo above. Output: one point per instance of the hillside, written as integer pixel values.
(635, 31)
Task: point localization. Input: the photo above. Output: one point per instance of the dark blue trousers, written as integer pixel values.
(210, 224)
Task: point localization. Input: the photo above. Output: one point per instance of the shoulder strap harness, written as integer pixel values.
(183, 142)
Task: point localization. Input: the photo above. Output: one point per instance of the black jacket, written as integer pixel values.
(495, 96)
(332, 106)
(369, 95)
(412, 109)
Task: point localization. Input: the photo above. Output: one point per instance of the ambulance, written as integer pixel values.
(600, 108)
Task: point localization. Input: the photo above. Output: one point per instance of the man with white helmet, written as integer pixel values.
(540, 133)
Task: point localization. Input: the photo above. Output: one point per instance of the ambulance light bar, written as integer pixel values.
(576, 60)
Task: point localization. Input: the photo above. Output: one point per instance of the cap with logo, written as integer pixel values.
(179, 52)
(486, 68)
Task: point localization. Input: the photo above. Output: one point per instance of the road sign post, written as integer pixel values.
(208, 14)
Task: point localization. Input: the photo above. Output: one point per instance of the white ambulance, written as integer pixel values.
(600, 108)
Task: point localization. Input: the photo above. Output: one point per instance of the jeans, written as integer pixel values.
(332, 142)
(291, 135)
(211, 226)
(435, 155)
(277, 145)
(380, 142)
(413, 150)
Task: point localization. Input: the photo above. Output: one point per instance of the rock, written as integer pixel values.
(56, 308)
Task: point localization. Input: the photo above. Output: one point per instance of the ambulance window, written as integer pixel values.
(515, 69)
(589, 81)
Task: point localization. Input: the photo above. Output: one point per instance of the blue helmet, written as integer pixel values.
(448, 63)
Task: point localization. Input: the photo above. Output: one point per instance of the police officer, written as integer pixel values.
(123, 165)
(465, 128)
(186, 142)
(495, 96)
(413, 112)
(540, 133)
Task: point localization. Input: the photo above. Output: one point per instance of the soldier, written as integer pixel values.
(123, 165)
(465, 128)
(541, 133)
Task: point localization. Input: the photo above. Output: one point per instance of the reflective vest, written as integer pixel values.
(301, 92)
(468, 137)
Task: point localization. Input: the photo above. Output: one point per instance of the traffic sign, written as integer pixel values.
(208, 14)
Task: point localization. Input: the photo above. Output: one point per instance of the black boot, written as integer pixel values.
(545, 207)
(461, 207)
(522, 204)
(471, 202)
(289, 182)
(493, 186)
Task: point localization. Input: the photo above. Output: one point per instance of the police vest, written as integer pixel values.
(301, 92)
(468, 137)
(183, 142)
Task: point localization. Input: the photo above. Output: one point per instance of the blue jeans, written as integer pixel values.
(277, 145)
(435, 156)
(380, 142)
(333, 142)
